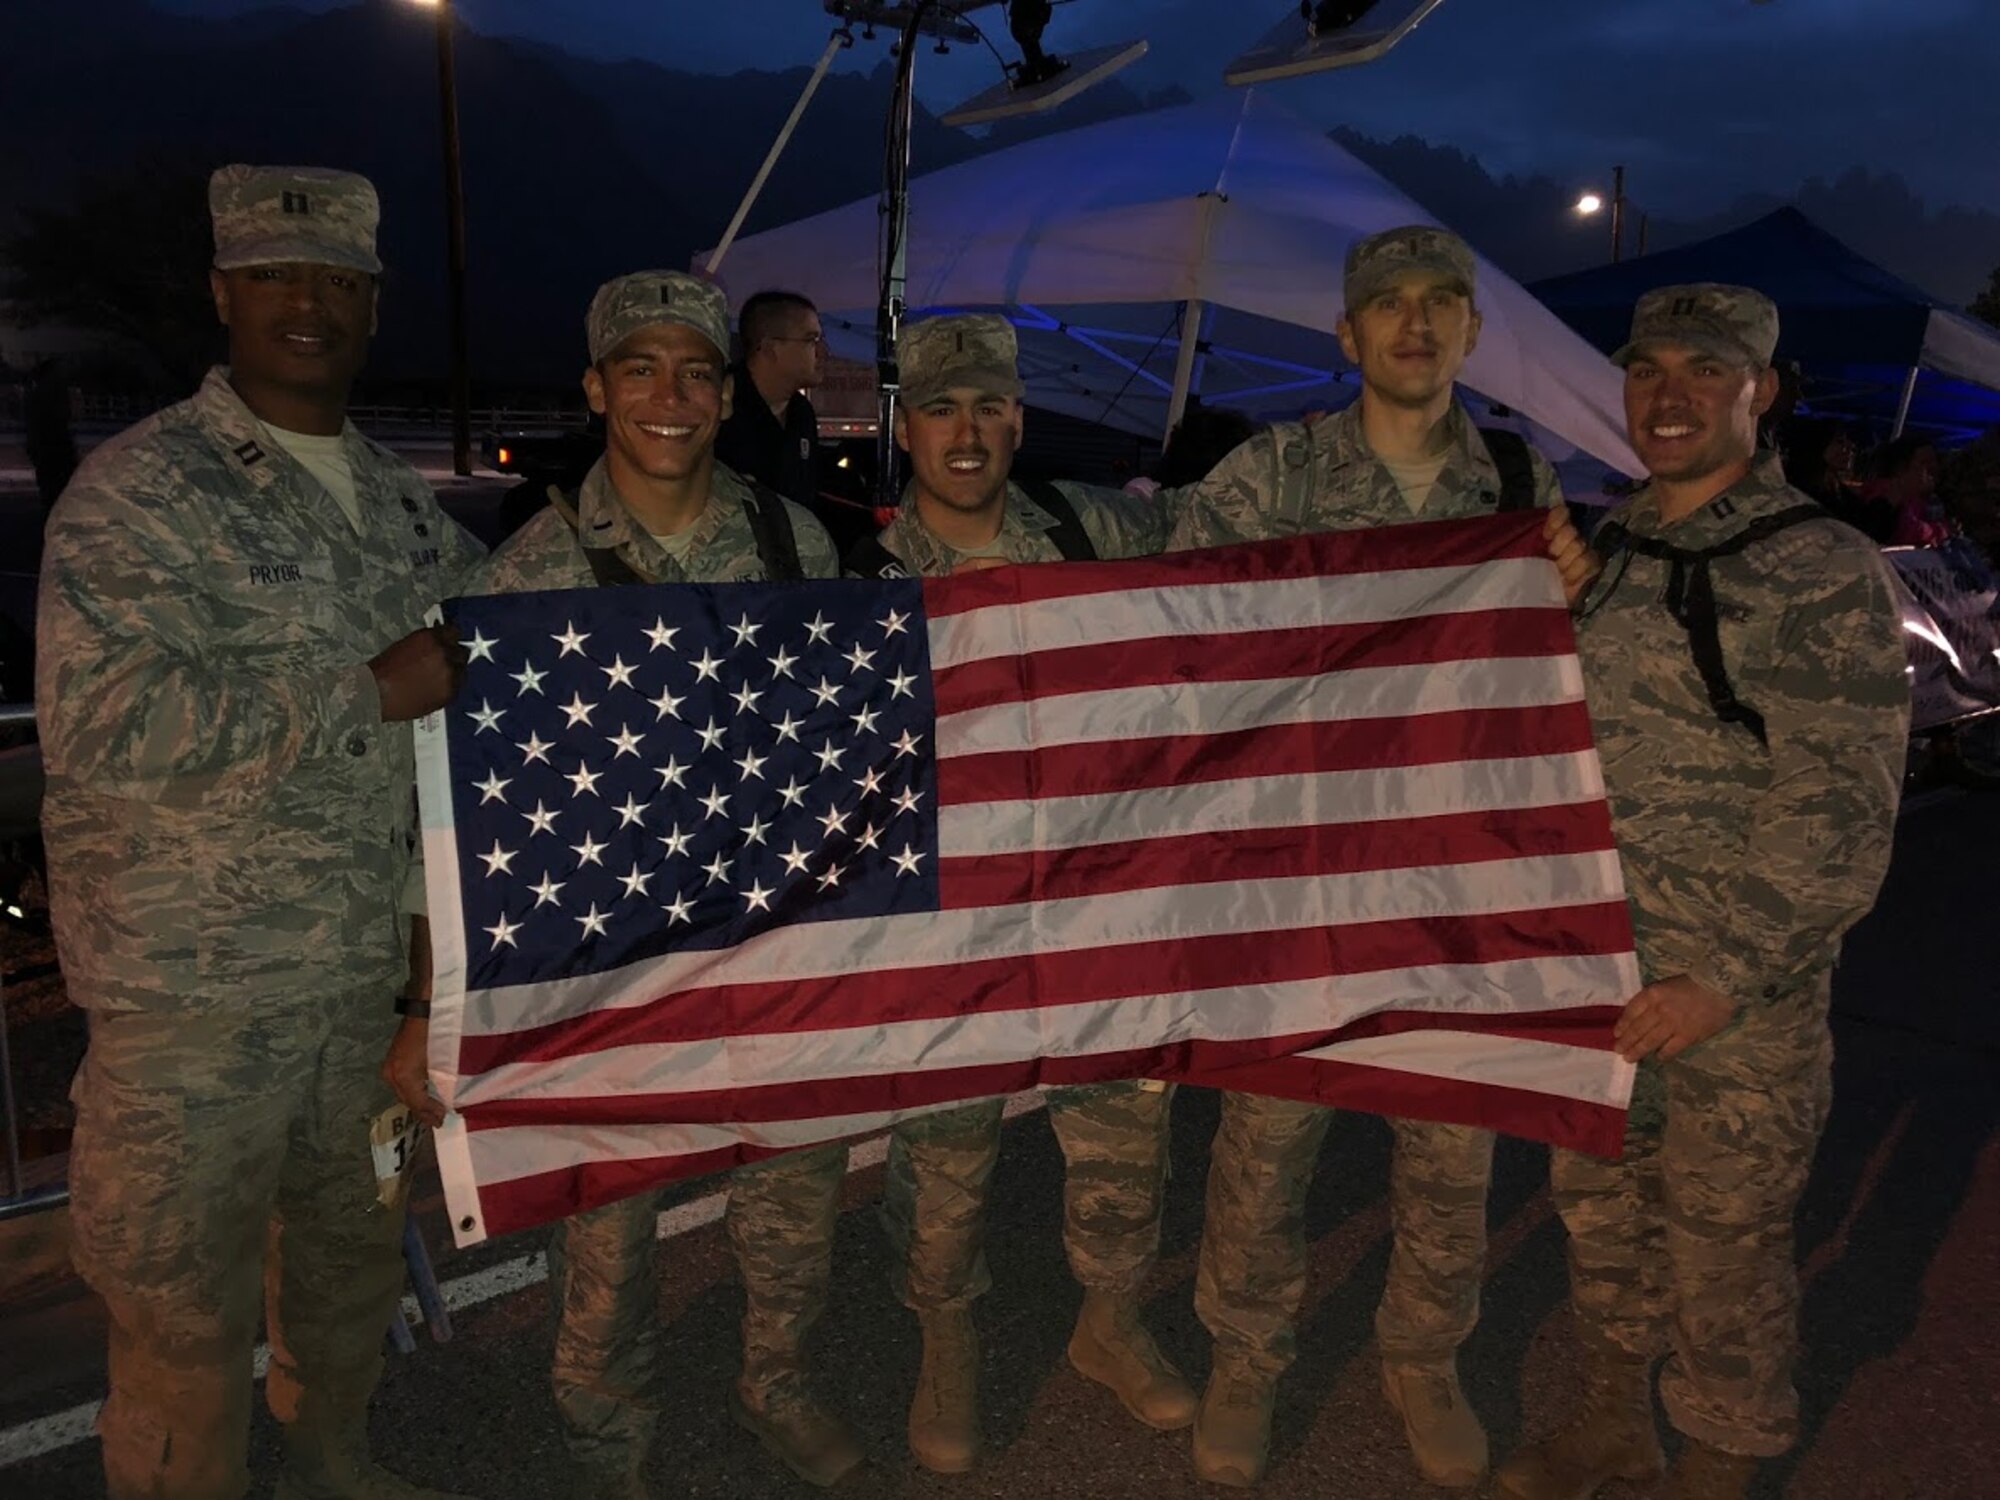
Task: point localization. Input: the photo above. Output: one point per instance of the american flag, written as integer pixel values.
(719, 871)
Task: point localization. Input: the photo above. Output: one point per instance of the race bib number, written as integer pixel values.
(393, 1137)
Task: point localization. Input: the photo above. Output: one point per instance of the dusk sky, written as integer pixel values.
(1702, 99)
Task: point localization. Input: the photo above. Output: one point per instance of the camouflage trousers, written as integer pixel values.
(1252, 1274)
(1114, 1142)
(221, 1162)
(1438, 1180)
(1252, 1277)
(1687, 1243)
(604, 1277)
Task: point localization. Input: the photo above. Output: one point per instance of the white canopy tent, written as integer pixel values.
(1104, 244)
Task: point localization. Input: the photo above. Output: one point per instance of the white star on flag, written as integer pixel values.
(486, 716)
(491, 788)
(618, 674)
(569, 640)
(499, 861)
(529, 678)
(503, 933)
(745, 632)
(579, 712)
(661, 634)
(479, 648)
(594, 922)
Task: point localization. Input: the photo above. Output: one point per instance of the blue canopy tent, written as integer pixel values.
(1872, 347)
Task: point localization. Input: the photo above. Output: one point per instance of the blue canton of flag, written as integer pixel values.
(639, 771)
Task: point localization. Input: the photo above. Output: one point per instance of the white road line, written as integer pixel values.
(64, 1429)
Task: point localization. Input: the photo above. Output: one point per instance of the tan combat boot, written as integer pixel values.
(1112, 1347)
(1445, 1437)
(944, 1413)
(1611, 1438)
(1705, 1473)
(1232, 1431)
(788, 1420)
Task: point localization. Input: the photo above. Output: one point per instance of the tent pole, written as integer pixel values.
(1192, 313)
(841, 38)
(1903, 403)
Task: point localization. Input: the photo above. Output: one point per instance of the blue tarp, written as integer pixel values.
(1855, 329)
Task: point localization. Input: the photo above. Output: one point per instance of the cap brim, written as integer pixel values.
(993, 382)
(1736, 352)
(280, 250)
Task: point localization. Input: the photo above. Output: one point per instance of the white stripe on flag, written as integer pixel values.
(1504, 1061)
(1159, 710)
(1239, 608)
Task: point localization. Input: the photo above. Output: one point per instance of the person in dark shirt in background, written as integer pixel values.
(772, 436)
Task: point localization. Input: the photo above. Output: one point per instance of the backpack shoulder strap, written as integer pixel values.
(1510, 454)
(1764, 528)
(1071, 540)
(868, 558)
(777, 542)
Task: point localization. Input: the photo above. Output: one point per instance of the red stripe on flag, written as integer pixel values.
(1226, 961)
(1422, 544)
(1276, 750)
(1578, 1124)
(1280, 853)
(879, 1093)
(1255, 656)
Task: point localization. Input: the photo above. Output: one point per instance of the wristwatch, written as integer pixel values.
(413, 1005)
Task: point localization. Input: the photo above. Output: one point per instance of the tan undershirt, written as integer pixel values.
(1416, 480)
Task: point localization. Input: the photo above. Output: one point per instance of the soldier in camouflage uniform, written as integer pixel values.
(658, 508)
(1754, 806)
(230, 649)
(1406, 451)
(961, 422)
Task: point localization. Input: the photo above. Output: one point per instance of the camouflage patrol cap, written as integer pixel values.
(626, 304)
(1378, 260)
(1735, 323)
(269, 215)
(969, 349)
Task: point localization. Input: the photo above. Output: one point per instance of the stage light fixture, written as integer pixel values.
(1332, 34)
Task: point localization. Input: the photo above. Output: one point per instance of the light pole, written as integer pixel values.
(454, 213)
(1591, 204)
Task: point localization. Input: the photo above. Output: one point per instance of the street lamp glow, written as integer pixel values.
(1589, 203)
